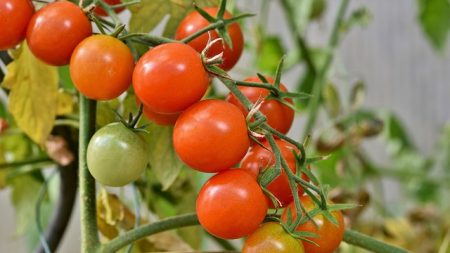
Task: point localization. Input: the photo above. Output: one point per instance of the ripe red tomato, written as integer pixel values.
(101, 67)
(271, 238)
(211, 136)
(259, 158)
(330, 235)
(101, 12)
(14, 18)
(169, 78)
(279, 116)
(231, 204)
(195, 22)
(55, 30)
(159, 118)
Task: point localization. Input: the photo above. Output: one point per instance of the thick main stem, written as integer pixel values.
(319, 81)
(89, 235)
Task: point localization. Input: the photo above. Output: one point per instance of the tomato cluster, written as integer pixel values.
(209, 135)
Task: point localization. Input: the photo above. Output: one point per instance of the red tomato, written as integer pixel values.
(55, 30)
(14, 18)
(169, 78)
(101, 67)
(330, 235)
(101, 12)
(159, 118)
(259, 158)
(231, 204)
(211, 136)
(271, 238)
(195, 22)
(279, 116)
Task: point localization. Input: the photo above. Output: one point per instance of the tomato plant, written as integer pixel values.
(329, 235)
(211, 136)
(261, 157)
(271, 237)
(231, 204)
(279, 116)
(116, 155)
(101, 12)
(169, 78)
(195, 22)
(55, 30)
(14, 18)
(101, 67)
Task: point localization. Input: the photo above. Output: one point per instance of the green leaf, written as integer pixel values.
(331, 100)
(360, 17)
(178, 199)
(396, 135)
(305, 85)
(24, 197)
(301, 10)
(336, 207)
(163, 161)
(357, 95)
(269, 53)
(444, 148)
(146, 15)
(65, 79)
(434, 16)
(106, 112)
(34, 94)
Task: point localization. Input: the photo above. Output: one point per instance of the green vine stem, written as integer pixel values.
(367, 242)
(350, 236)
(301, 42)
(37, 160)
(149, 229)
(319, 81)
(89, 234)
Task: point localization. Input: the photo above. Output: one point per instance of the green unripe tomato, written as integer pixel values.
(116, 155)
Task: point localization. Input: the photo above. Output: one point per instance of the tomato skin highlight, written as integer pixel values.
(55, 30)
(194, 22)
(211, 136)
(330, 235)
(101, 67)
(259, 158)
(270, 237)
(101, 12)
(169, 78)
(279, 116)
(231, 204)
(14, 18)
(116, 155)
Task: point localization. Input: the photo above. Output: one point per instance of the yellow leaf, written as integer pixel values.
(34, 94)
(65, 103)
(113, 216)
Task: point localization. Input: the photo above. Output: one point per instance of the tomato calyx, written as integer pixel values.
(133, 120)
(219, 23)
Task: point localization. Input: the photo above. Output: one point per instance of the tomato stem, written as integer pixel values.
(191, 219)
(89, 234)
(319, 81)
